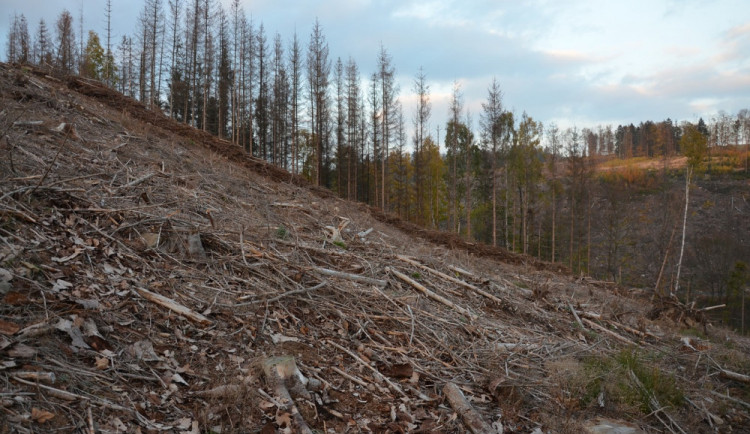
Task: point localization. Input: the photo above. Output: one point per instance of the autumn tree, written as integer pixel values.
(66, 42)
(694, 146)
(526, 168)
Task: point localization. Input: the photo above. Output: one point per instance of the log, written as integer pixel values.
(450, 278)
(471, 418)
(607, 331)
(173, 306)
(279, 371)
(735, 376)
(432, 295)
(353, 277)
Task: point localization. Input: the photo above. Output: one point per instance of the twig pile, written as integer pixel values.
(151, 282)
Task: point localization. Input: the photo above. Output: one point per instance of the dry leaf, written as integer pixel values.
(194, 428)
(14, 298)
(102, 363)
(283, 419)
(61, 284)
(184, 423)
(8, 328)
(41, 416)
(266, 405)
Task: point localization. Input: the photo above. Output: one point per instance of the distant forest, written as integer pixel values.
(609, 202)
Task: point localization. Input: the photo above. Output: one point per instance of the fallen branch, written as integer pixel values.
(607, 331)
(349, 276)
(286, 294)
(575, 315)
(432, 295)
(471, 418)
(450, 278)
(377, 373)
(138, 181)
(173, 306)
(70, 396)
(735, 376)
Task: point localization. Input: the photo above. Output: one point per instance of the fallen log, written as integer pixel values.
(471, 418)
(353, 277)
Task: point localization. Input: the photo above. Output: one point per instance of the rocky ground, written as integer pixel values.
(157, 279)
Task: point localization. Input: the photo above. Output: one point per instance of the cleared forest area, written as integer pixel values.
(155, 277)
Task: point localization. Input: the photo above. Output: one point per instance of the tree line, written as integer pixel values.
(506, 180)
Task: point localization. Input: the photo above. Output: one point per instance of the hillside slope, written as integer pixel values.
(156, 279)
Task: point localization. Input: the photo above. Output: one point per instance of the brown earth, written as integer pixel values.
(124, 203)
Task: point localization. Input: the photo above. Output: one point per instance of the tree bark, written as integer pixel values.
(684, 226)
(471, 418)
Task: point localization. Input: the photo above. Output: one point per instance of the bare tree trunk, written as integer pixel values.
(684, 226)
(554, 207)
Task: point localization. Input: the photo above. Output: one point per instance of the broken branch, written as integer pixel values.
(432, 295)
(173, 306)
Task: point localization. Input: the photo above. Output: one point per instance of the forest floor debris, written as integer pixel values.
(114, 320)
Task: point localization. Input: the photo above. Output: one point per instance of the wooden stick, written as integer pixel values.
(461, 271)
(173, 306)
(735, 376)
(575, 314)
(450, 278)
(349, 276)
(471, 418)
(607, 331)
(138, 181)
(432, 295)
(351, 378)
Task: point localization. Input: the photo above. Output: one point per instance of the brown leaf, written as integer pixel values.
(15, 298)
(41, 416)
(8, 328)
(399, 370)
(284, 419)
(102, 363)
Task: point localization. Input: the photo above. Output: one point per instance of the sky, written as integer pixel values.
(577, 63)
